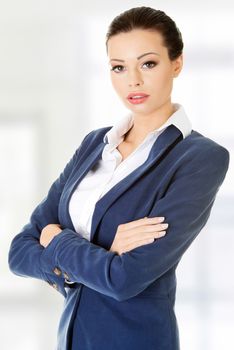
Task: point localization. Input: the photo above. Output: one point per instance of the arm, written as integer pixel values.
(25, 250)
(186, 206)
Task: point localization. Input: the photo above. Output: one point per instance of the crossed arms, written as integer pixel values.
(186, 206)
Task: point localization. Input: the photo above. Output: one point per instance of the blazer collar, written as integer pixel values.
(179, 118)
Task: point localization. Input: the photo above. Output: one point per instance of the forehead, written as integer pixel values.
(136, 42)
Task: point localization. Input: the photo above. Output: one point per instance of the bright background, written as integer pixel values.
(54, 89)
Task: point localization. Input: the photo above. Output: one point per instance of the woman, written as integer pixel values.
(100, 236)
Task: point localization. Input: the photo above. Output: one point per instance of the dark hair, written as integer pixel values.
(148, 18)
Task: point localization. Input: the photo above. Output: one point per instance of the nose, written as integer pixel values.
(135, 78)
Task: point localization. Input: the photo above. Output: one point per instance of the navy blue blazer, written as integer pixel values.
(123, 301)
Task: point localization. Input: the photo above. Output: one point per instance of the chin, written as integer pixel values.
(142, 109)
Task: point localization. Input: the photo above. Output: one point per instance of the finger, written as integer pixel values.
(141, 236)
(157, 228)
(153, 228)
(159, 234)
(142, 221)
(146, 240)
(138, 233)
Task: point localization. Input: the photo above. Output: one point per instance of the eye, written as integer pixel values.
(118, 69)
(151, 64)
(114, 69)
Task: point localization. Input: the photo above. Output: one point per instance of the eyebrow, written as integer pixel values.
(144, 54)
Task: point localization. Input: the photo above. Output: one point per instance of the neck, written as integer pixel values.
(143, 124)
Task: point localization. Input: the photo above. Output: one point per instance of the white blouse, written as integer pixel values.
(110, 169)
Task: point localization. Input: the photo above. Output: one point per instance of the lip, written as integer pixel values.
(139, 100)
(132, 94)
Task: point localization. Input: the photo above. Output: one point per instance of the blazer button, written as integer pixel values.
(66, 276)
(57, 271)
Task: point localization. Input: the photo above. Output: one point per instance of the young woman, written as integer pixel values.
(116, 222)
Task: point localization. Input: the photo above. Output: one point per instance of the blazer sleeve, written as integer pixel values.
(186, 206)
(25, 249)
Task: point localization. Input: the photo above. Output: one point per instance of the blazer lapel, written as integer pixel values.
(88, 163)
(167, 140)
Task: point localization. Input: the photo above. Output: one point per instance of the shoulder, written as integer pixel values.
(202, 147)
(202, 157)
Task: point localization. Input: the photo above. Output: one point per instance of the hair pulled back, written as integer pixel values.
(148, 18)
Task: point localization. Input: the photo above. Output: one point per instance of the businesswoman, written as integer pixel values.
(116, 222)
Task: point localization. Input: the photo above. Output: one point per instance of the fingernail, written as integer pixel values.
(161, 218)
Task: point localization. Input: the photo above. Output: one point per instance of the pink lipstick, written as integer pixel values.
(137, 97)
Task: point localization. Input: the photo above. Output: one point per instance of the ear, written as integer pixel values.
(177, 65)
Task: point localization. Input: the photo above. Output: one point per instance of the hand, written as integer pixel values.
(136, 233)
(48, 233)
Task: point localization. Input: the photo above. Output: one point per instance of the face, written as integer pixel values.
(139, 63)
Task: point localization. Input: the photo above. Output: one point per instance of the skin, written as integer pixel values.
(152, 74)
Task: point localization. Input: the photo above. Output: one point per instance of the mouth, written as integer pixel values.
(137, 97)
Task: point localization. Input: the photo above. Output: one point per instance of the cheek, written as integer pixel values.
(162, 79)
(114, 81)
(117, 84)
